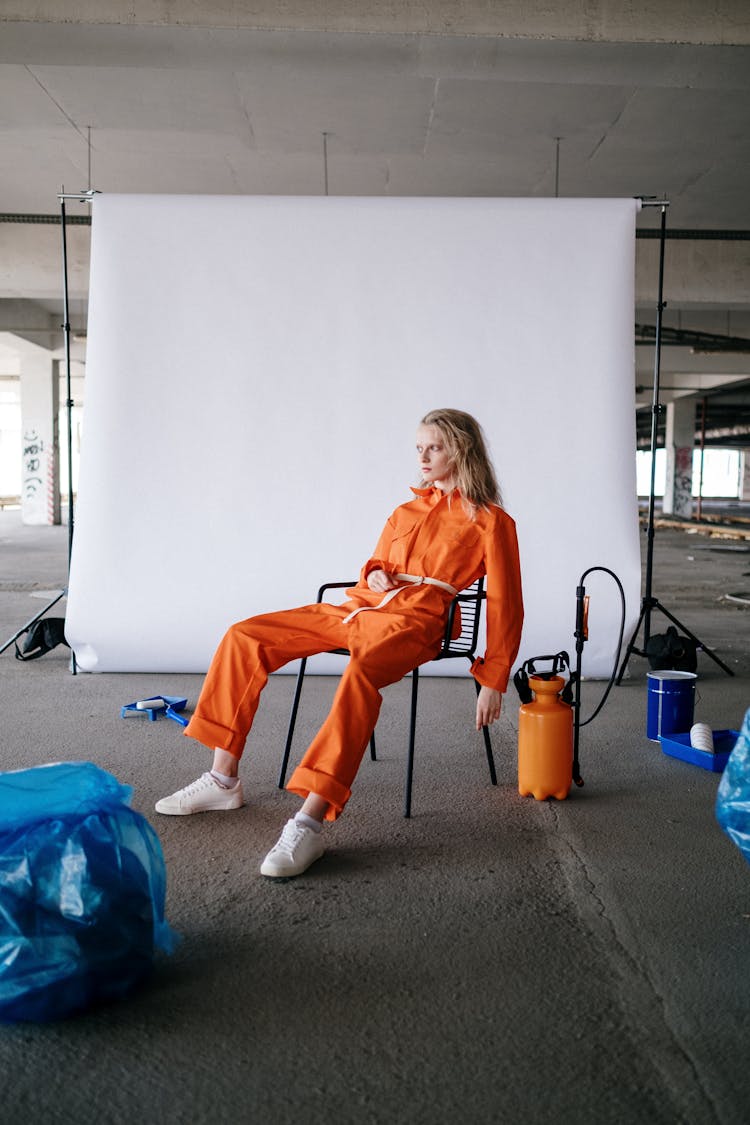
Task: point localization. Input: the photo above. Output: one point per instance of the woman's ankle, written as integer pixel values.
(315, 806)
(225, 763)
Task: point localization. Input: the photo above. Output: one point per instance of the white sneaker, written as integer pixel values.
(297, 848)
(203, 795)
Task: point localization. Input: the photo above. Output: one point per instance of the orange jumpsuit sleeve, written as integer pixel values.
(504, 604)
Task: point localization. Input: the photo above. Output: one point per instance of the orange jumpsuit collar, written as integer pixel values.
(433, 490)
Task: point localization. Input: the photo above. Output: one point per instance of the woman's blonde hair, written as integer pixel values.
(466, 445)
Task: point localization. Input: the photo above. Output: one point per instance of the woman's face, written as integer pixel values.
(435, 463)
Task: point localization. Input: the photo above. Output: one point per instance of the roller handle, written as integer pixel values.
(178, 718)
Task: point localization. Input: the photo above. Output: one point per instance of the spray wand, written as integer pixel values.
(581, 636)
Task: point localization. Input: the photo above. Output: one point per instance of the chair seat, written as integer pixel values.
(463, 646)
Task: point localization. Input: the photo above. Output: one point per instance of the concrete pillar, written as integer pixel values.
(679, 442)
(40, 439)
(745, 477)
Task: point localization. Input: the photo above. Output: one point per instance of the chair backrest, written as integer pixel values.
(469, 602)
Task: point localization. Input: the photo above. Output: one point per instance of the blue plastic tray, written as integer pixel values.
(678, 746)
(174, 705)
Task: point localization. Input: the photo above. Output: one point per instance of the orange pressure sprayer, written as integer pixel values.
(549, 721)
(545, 729)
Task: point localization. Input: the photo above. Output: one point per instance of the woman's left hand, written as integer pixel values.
(489, 704)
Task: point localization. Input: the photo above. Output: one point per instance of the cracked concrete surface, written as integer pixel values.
(495, 959)
(637, 988)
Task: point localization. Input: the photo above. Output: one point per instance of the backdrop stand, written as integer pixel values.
(650, 603)
(260, 371)
(37, 617)
(82, 197)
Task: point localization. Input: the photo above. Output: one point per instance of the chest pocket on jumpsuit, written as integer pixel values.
(401, 544)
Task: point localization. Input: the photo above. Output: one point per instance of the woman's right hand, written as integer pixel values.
(380, 581)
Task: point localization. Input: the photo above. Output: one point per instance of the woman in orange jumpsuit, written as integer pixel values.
(452, 532)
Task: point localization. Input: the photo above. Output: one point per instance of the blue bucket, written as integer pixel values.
(671, 701)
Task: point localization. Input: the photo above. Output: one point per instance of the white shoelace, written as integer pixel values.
(291, 835)
(205, 781)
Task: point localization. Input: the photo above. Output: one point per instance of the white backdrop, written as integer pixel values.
(256, 370)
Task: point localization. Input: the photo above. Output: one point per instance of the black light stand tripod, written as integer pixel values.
(82, 197)
(649, 603)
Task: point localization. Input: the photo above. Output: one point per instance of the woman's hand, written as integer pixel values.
(380, 582)
(489, 704)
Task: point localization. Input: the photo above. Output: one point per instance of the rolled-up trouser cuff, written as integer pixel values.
(305, 781)
(215, 735)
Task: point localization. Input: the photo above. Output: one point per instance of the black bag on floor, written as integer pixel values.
(42, 637)
(670, 650)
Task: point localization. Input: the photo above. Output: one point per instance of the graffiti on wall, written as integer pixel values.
(35, 476)
(678, 493)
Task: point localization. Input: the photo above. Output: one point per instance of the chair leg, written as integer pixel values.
(488, 747)
(412, 735)
(490, 757)
(292, 722)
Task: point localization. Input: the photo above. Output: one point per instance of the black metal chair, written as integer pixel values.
(462, 646)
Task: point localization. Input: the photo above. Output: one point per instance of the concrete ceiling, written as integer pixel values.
(443, 98)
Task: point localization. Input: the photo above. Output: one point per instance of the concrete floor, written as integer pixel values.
(495, 959)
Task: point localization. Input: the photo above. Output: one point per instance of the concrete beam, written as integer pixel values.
(695, 272)
(25, 324)
(624, 21)
(30, 322)
(31, 261)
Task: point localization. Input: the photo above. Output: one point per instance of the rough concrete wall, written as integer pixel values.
(629, 21)
(695, 271)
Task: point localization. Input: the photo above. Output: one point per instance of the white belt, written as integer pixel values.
(409, 579)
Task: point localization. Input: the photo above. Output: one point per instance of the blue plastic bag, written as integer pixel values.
(733, 797)
(82, 889)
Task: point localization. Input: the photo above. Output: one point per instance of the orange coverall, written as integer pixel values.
(430, 536)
